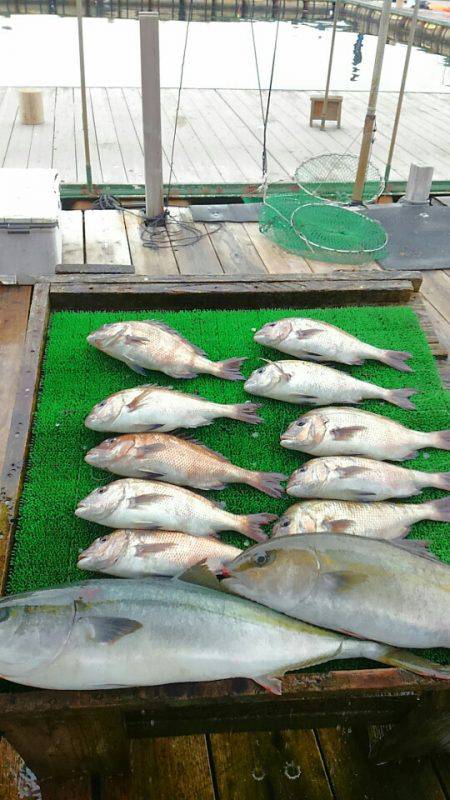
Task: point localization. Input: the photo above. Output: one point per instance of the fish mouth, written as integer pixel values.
(81, 509)
(286, 440)
(249, 385)
(92, 456)
(259, 337)
(83, 561)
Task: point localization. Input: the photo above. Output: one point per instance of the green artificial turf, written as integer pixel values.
(76, 376)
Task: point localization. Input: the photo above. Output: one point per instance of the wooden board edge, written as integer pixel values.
(21, 422)
(438, 350)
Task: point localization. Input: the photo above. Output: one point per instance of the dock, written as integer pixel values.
(219, 134)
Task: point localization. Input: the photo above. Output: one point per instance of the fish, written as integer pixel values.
(138, 553)
(150, 408)
(314, 384)
(379, 520)
(185, 462)
(315, 340)
(391, 592)
(151, 344)
(355, 478)
(114, 633)
(133, 503)
(338, 431)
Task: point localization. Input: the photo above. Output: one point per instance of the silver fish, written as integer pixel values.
(314, 340)
(114, 633)
(132, 503)
(138, 553)
(354, 478)
(159, 456)
(151, 344)
(378, 520)
(314, 384)
(385, 591)
(148, 408)
(353, 432)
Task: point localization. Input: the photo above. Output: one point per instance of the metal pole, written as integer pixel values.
(369, 122)
(151, 113)
(330, 64)
(87, 154)
(412, 31)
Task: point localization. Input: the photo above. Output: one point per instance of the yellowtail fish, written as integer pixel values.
(314, 340)
(159, 456)
(378, 520)
(151, 344)
(317, 385)
(388, 592)
(354, 478)
(138, 553)
(132, 503)
(352, 432)
(149, 408)
(114, 633)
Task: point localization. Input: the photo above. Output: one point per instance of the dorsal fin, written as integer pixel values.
(418, 547)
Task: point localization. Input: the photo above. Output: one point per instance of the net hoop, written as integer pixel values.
(339, 169)
(366, 222)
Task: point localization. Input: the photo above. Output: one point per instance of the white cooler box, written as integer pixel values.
(30, 234)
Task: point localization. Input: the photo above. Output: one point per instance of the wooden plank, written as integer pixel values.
(19, 144)
(198, 258)
(8, 114)
(353, 776)
(71, 224)
(78, 788)
(129, 144)
(14, 307)
(276, 260)
(42, 141)
(441, 763)
(146, 260)
(106, 238)
(79, 142)
(94, 269)
(133, 100)
(19, 436)
(64, 154)
(285, 765)
(113, 170)
(190, 160)
(10, 764)
(235, 249)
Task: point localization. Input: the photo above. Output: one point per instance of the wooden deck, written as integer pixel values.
(219, 134)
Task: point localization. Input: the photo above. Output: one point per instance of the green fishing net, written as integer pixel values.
(332, 176)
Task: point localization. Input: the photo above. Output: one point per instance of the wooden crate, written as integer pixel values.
(334, 108)
(63, 733)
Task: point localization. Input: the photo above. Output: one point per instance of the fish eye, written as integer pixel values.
(103, 539)
(271, 324)
(284, 524)
(260, 370)
(102, 490)
(103, 403)
(261, 559)
(300, 423)
(4, 614)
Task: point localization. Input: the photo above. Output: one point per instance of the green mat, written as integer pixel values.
(76, 376)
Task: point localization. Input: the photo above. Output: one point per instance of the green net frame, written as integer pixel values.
(331, 176)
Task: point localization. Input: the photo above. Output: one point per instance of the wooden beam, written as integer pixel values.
(151, 113)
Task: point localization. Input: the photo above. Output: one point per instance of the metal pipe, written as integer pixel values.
(330, 64)
(87, 153)
(151, 113)
(369, 122)
(412, 31)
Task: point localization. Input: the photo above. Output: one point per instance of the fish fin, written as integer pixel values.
(251, 525)
(108, 630)
(267, 482)
(128, 339)
(306, 397)
(201, 575)
(339, 525)
(230, 369)
(348, 472)
(155, 426)
(142, 550)
(342, 580)
(145, 449)
(343, 434)
(308, 333)
(164, 327)
(137, 401)
(405, 659)
(363, 496)
(396, 359)
(152, 476)
(442, 480)
(441, 439)
(270, 683)
(400, 398)
(142, 499)
(440, 509)
(135, 367)
(418, 547)
(285, 376)
(246, 412)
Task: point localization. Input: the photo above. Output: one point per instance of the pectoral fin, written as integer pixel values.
(307, 397)
(135, 340)
(148, 449)
(135, 367)
(143, 499)
(201, 575)
(342, 581)
(107, 630)
(269, 683)
(142, 550)
(343, 434)
(348, 472)
(308, 333)
(338, 525)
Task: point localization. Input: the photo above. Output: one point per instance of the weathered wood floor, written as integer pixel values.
(219, 134)
(326, 764)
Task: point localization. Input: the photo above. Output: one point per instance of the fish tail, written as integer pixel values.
(438, 510)
(441, 480)
(400, 397)
(246, 412)
(439, 439)
(396, 359)
(404, 659)
(267, 482)
(230, 369)
(251, 526)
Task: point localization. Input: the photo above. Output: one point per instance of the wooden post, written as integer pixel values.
(151, 113)
(31, 106)
(330, 64)
(369, 122)
(419, 183)
(87, 153)
(412, 31)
